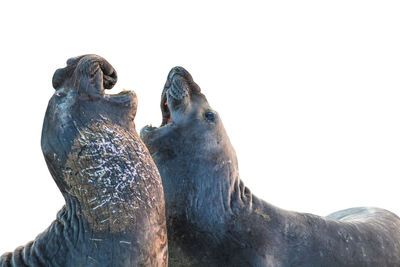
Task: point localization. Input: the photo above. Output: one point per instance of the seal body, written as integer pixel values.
(114, 213)
(213, 219)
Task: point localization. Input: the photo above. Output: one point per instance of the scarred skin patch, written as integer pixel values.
(108, 182)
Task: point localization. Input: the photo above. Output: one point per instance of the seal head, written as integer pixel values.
(79, 100)
(191, 146)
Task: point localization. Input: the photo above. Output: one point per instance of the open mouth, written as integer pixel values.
(166, 113)
(176, 90)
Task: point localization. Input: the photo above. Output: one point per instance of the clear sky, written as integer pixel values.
(309, 92)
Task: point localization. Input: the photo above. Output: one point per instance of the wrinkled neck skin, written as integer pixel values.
(192, 181)
(62, 243)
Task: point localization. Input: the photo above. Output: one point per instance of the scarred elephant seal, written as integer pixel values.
(214, 220)
(114, 213)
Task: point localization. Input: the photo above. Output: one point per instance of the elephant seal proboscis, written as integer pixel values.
(214, 220)
(114, 213)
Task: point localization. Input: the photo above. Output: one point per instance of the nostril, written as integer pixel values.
(176, 70)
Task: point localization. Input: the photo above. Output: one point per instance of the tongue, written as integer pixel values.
(169, 120)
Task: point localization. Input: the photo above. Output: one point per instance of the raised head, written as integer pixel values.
(187, 113)
(78, 102)
(191, 148)
(93, 151)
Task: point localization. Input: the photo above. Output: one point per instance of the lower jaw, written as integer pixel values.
(150, 128)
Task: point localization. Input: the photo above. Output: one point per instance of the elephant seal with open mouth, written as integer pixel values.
(114, 213)
(214, 220)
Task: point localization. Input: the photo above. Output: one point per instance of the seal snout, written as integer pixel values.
(83, 83)
(89, 76)
(92, 68)
(178, 84)
(177, 92)
(177, 72)
(92, 65)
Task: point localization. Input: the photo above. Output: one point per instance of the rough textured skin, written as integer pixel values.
(114, 213)
(214, 220)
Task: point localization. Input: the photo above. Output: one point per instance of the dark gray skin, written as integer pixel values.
(114, 213)
(214, 220)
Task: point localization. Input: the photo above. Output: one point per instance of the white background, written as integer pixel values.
(308, 92)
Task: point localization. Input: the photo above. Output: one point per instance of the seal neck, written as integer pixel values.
(110, 172)
(210, 196)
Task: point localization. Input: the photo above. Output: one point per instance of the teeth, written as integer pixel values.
(150, 125)
(124, 90)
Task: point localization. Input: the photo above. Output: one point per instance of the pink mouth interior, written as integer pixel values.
(169, 115)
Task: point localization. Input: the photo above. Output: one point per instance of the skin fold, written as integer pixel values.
(213, 219)
(114, 212)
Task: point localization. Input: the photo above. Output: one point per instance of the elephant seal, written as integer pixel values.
(213, 219)
(114, 213)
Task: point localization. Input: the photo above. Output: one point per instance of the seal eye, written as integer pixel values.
(210, 116)
(60, 94)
